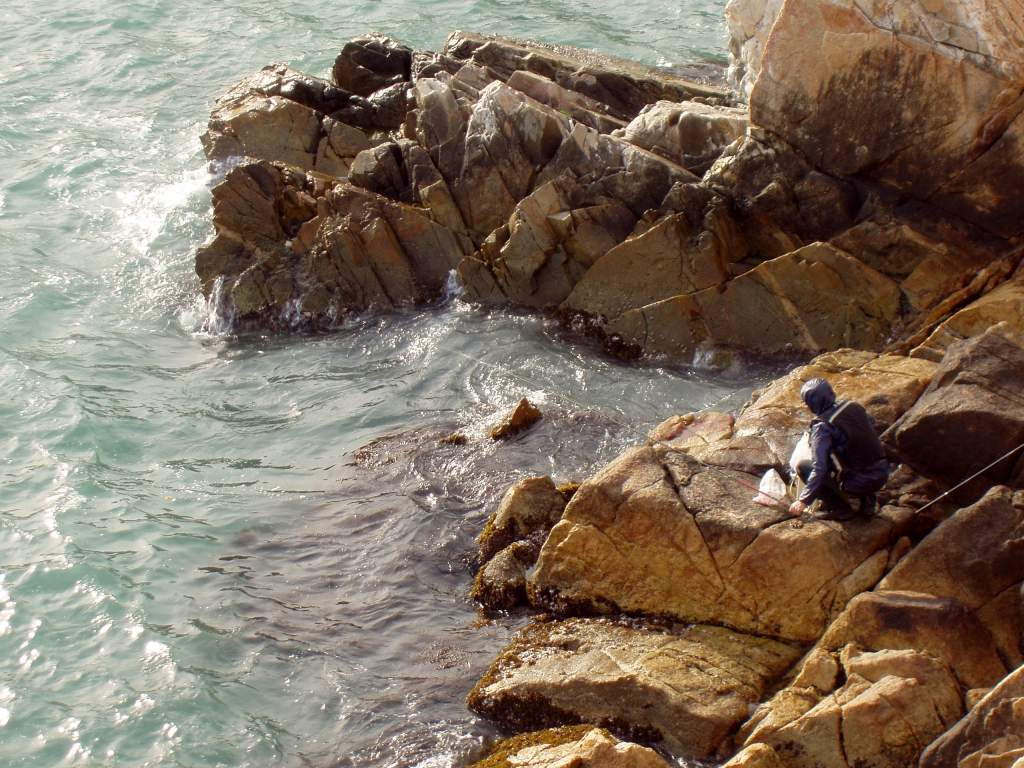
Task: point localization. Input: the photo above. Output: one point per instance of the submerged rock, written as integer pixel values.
(522, 417)
(688, 688)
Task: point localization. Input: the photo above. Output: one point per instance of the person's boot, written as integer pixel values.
(834, 507)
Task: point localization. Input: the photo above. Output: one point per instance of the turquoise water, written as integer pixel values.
(196, 568)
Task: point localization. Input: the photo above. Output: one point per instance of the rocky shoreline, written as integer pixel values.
(854, 197)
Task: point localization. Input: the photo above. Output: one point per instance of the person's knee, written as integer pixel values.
(804, 469)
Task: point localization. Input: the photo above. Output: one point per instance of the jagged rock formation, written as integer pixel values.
(991, 734)
(643, 208)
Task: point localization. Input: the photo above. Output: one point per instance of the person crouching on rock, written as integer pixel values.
(846, 455)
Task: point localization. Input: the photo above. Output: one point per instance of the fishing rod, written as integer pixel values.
(962, 483)
(624, 425)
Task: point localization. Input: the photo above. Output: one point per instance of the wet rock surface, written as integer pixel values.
(688, 687)
(522, 417)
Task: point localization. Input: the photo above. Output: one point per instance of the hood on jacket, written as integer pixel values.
(818, 395)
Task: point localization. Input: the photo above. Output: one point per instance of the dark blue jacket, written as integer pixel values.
(827, 439)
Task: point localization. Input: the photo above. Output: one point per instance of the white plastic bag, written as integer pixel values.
(801, 453)
(772, 490)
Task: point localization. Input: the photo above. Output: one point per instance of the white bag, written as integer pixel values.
(772, 489)
(801, 453)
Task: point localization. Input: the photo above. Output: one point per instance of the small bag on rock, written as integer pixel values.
(771, 490)
(801, 454)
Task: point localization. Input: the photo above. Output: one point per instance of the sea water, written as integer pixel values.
(198, 564)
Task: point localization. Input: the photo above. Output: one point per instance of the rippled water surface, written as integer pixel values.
(197, 567)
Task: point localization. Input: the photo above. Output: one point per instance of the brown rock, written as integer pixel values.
(890, 707)
(524, 416)
(501, 583)
(992, 734)
(939, 626)
(755, 756)
(975, 556)
(610, 167)
(577, 106)
(256, 208)
(370, 251)
(947, 126)
(927, 270)
(750, 22)
(274, 114)
(530, 505)
(971, 412)
(689, 134)
(689, 687)
(338, 148)
(570, 747)
(780, 201)
(667, 260)
(814, 299)
(624, 87)
(1004, 304)
(370, 63)
(555, 235)
(656, 533)
(490, 156)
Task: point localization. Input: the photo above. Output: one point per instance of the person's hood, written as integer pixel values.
(818, 395)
